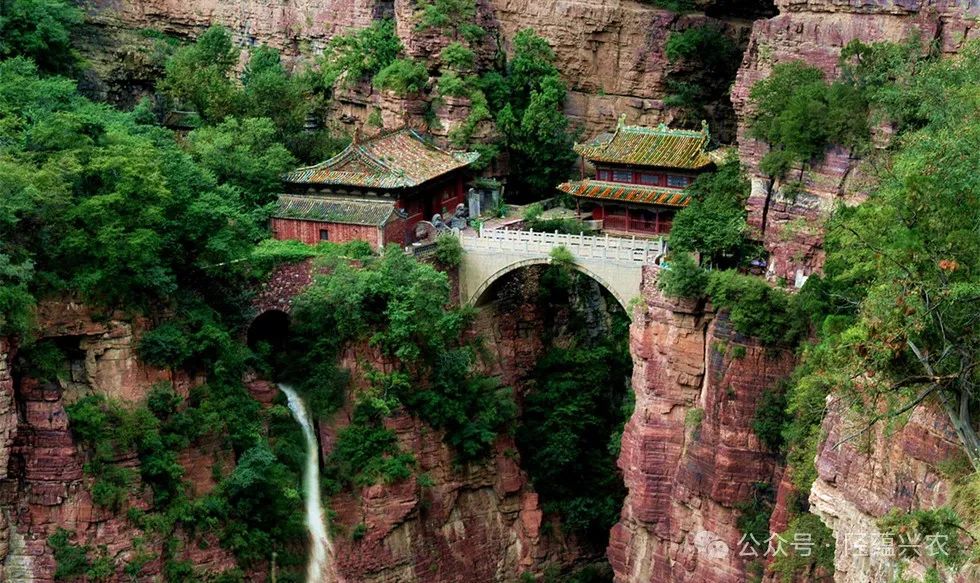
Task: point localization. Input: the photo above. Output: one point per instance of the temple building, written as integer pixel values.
(377, 191)
(640, 177)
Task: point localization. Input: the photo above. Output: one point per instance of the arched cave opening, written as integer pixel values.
(563, 343)
(268, 338)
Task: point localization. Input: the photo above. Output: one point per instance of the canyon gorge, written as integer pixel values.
(690, 459)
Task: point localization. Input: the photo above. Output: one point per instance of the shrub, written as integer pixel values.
(799, 114)
(360, 529)
(683, 278)
(770, 418)
(402, 76)
(757, 309)
(40, 30)
(805, 565)
(361, 55)
(754, 514)
(714, 223)
(692, 421)
(71, 560)
(449, 250)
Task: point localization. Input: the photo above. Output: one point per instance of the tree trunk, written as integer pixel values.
(960, 418)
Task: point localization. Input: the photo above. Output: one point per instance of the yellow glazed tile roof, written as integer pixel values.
(619, 192)
(400, 159)
(660, 147)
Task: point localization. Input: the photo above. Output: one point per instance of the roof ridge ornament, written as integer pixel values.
(621, 122)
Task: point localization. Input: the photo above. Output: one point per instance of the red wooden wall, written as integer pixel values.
(309, 231)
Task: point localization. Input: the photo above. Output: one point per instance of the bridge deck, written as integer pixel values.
(615, 262)
(582, 246)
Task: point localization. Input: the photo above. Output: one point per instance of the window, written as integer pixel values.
(603, 174)
(324, 235)
(650, 179)
(678, 181)
(622, 175)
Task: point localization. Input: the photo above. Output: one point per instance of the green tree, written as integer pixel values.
(40, 30)
(532, 119)
(359, 56)
(799, 114)
(246, 154)
(200, 76)
(714, 224)
(903, 267)
(271, 92)
(704, 62)
(457, 18)
(402, 76)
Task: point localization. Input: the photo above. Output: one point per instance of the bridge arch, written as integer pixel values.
(478, 294)
(616, 263)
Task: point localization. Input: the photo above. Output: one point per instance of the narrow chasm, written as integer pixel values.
(563, 341)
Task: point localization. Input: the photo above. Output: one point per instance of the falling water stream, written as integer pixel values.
(320, 568)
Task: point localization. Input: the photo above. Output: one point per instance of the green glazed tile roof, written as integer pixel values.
(660, 147)
(400, 159)
(333, 209)
(619, 192)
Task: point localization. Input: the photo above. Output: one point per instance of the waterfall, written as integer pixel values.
(320, 568)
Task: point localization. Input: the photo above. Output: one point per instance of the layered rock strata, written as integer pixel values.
(689, 455)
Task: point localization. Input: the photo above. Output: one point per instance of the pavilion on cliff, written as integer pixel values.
(641, 175)
(376, 190)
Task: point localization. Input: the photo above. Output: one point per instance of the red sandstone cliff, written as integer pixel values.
(610, 52)
(815, 31)
(687, 471)
(42, 486)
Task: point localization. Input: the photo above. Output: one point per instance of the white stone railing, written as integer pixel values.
(582, 246)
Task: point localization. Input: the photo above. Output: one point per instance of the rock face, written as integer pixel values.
(815, 31)
(689, 455)
(610, 52)
(865, 478)
(42, 485)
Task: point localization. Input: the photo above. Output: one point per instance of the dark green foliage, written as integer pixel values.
(770, 417)
(399, 306)
(199, 75)
(72, 561)
(682, 277)
(754, 514)
(714, 224)
(757, 309)
(795, 566)
(575, 408)
(704, 62)
(359, 56)
(449, 251)
(911, 531)
(456, 18)
(104, 207)
(366, 451)
(534, 126)
(799, 114)
(39, 30)
(402, 76)
(472, 409)
(673, 5)
(246, 154)
(257, 505)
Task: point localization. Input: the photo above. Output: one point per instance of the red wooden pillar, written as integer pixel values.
(627, 218)
(656, 220)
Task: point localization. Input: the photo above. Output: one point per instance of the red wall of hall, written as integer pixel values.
(309, 232)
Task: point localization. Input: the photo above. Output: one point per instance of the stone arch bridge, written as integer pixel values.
(615, 262)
